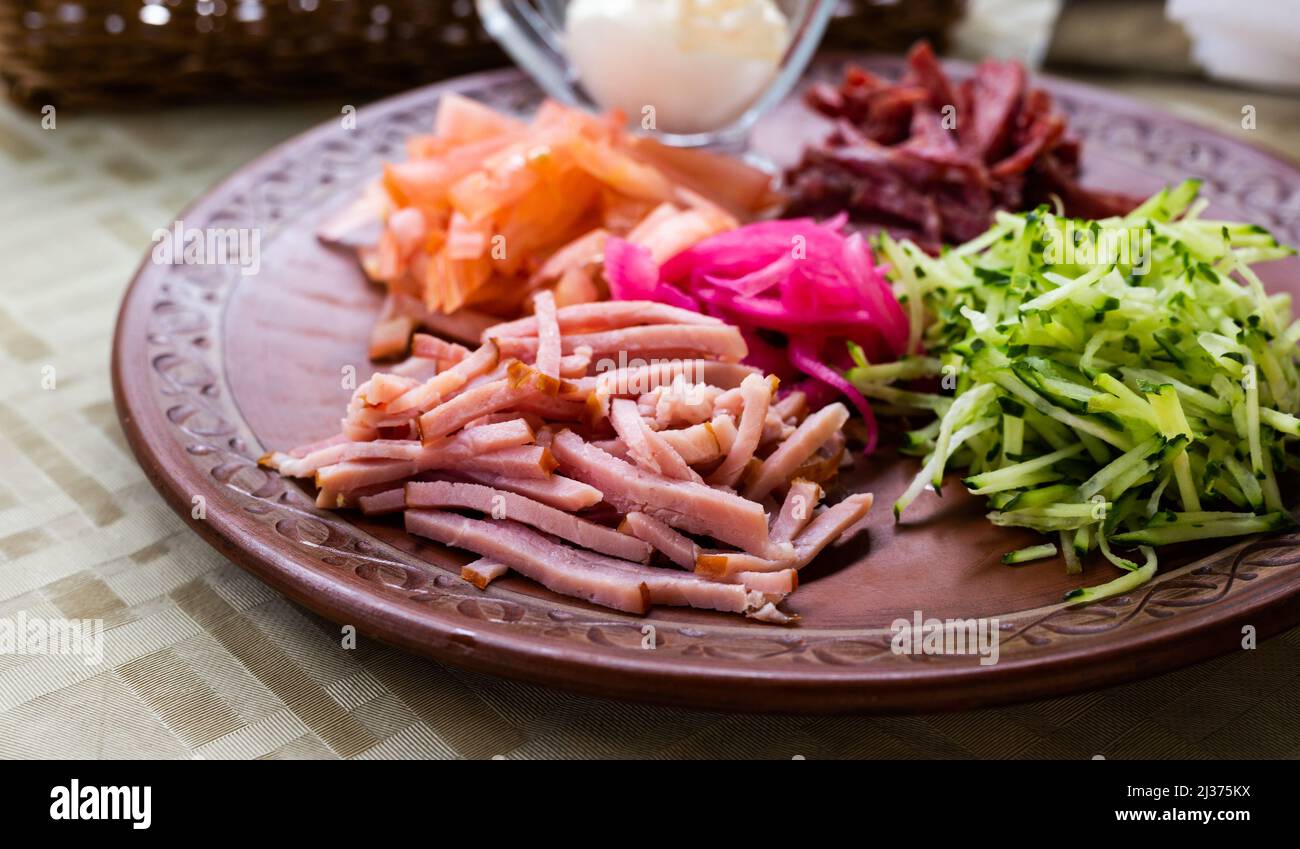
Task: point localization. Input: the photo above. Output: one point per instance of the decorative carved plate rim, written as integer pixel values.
(168, 379)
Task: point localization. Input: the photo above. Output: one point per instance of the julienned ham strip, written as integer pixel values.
(555, 566)
(693, 507)
(796, 510)
(655, 341)
(567, 450)
(650, 450)
(555, 490)
(468, 443)
(682, 551)
(615, 583)
(566, 526)
(604, 315)
(826, 527)
(756, 396)
(548, 335)
(483, 571)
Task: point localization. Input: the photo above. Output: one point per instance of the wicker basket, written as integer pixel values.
(891, 26)
(115, 53)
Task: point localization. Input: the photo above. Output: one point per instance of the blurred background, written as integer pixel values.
(139, 53)
(165, 96)
(156, 99)
(117, 114)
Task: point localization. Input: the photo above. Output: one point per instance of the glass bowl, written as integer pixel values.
(690, 72)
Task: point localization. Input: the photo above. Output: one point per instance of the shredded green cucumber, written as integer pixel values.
(1033, 552)
(1240, 525)
(1125, 583)
(1115, 383)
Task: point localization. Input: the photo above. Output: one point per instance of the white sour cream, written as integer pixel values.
(691, 66)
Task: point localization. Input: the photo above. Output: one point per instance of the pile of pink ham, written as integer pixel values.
(616, 452)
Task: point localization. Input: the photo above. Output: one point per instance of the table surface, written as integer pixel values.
(202, 660)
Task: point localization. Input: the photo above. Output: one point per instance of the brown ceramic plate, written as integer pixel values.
(212, 368)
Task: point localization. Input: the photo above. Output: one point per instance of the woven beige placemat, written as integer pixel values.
(202, 660)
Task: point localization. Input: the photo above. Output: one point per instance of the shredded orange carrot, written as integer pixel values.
(488, 208)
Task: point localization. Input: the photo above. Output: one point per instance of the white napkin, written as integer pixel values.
(1257, 41)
